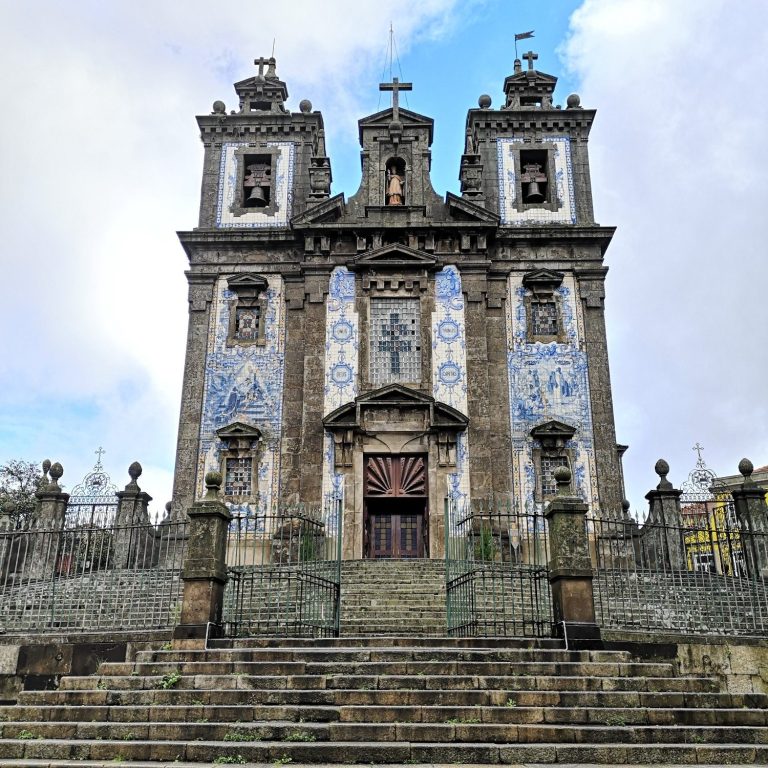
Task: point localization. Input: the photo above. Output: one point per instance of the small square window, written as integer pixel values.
(247, 321)
(238, 480)
(544, 318)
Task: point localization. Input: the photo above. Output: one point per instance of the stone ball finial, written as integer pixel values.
(746, 467)
(56, 471)
(219, 108)
(46, 466)
(135, 471)
(168, 507)
(625, 505)
(562, 477)
(305, 105)
(212, 484)
(485, 101)
(662, 470)
(573, 101)
(9, 507)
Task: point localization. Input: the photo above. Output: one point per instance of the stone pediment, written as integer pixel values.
(392, 398)
(553, 433)
(393, 256)
(238, 430)
(469, 211)
(325, 211)
(542, 278)
(248, 283)
(530, 77)
(407, 118)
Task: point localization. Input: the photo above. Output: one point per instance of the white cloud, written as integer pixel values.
(678, 157)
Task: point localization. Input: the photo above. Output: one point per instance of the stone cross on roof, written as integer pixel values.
(395, 86)
(530, 57)
(261, 62)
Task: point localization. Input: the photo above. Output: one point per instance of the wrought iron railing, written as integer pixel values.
(284, 573)
(83, 578)
(706, 575)
(496, 571)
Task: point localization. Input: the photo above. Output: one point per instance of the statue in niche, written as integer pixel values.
(395, 184)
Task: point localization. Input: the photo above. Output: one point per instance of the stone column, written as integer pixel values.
(133, 536)
(205, 568)
(752, 513)
(48, 523)
(570, 566)
(662, 542)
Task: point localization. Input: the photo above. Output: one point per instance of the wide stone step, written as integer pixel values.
(393, 697)
(448, 732)
(405, 667)
(282, 752)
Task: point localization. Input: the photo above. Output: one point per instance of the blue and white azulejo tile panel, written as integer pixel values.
(449, 366)
(342, 346)
(245, 383)
(549, 381)
(508, 190)
(228, 192)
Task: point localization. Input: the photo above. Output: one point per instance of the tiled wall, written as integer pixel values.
(341, 363)
(566, 212)
(449, 365)
(228, 192)
(549, 381)
(245, 383)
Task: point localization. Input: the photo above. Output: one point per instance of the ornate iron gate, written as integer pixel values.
(497, 580)
(284, 573)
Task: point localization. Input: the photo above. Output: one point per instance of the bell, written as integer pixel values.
(533, 195)
(257, 198)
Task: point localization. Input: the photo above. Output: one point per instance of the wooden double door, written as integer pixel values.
(395, 492)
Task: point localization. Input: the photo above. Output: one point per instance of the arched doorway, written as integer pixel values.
(395, 495)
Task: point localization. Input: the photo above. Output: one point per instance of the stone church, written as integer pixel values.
(396, 350)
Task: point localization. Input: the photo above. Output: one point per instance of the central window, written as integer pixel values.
(395, 341)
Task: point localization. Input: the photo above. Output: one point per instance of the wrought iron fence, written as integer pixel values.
(705, 575)
(83, 578)
(284, 573)
(497, 581)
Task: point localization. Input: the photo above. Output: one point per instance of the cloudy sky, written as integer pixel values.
(101, 164)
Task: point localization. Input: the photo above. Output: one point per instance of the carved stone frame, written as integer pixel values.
(543, 286)
(238, 208)
(551, 203)
(241, 441)
(550, 441)
(249, 290)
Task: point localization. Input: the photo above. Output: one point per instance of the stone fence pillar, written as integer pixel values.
(570, 566)
(663, 547)
(752, 513)
(205, 569)
(134, 535)
(40, 557)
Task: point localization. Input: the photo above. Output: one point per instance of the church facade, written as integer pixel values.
(399, 350)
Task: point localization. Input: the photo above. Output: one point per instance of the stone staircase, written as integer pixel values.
(393, 597)
(385, 700)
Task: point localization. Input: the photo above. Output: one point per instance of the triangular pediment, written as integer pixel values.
(553, 429)
(532, 77)
(325, 211)
(394, 256)
(441, 415)
(542, 278)
(469, 210)
(407, 118)
(247, 283)
(238, 429)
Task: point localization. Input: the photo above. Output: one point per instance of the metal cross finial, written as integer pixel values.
(395, 86)
(100, 452)
(261, 62)
(530, 57)
(698, 448)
